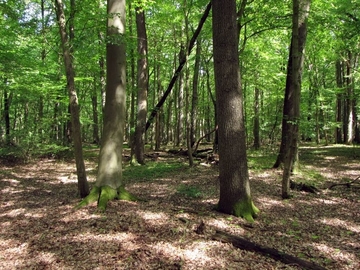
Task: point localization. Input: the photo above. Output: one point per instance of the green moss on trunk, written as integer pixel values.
(92, 197)
(246, 209)
(104, 194)
(107, 193)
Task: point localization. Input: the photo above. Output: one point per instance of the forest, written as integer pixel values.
(179, 134)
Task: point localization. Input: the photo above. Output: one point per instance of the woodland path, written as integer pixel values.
(39, 228)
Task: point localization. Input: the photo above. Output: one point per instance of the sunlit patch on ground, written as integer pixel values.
(40, 229)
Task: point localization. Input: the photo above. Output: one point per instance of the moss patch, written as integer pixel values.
(246, 209)
(104, 194)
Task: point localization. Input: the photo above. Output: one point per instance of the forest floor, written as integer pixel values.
(40, 229)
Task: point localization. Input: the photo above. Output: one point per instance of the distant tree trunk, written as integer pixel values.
(235, 196)
(7, 102)
(291, 97)
(256, 128)
(194, 103)
(143, 81)
(95, 124)
(350, 98)
(293, 89)
(74, 105)
(180, 101)
(132, 84)
(339, 103)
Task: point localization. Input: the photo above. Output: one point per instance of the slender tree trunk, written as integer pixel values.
(95, 125)
(339, 103)
(194, 103)
(143, 81)
(235, 196)
(292, 115)
(74, 105)
(256, 128)
(7, 102)
(350, 123)
(291, 99)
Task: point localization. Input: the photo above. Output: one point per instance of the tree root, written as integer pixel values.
(104, 194)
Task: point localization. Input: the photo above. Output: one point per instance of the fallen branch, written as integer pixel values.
(200, 139)
(266, 251)
(348, 184)
(303, 187)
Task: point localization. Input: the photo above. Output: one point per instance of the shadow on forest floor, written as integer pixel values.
(39, 228)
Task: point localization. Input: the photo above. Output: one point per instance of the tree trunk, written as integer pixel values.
(256, 129)
(7, 101)
(291, 97)
(292, 115)
(339, 102)
(194, 103)
(109, 183)
(142, 84)
(235, 197)
(83, 187)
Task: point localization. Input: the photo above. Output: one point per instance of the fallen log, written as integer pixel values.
(275, 254)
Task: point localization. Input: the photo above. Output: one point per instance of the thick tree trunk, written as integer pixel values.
(74, 105)
(109, 183)
(235, 197)
(142, 84)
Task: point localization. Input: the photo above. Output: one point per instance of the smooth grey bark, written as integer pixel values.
(110, 159)
(83, 186)
(235, 196)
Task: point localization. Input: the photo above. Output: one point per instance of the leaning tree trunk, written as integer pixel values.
(74, 104)
(290, 95)
(142, 85)
(235, 197)
(109, 184)
(292, 115)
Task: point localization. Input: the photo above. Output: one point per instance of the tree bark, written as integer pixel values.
(235, 196)
(109, 182)
(292, 88)
(83, 186)
(142, 85)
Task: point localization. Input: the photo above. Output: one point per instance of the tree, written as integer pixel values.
(109, 184)
(142, 85)
(83, 186)
(235, 196)
(291, 109)
(291, 115)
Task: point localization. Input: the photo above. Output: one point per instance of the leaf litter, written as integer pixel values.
(173, 227)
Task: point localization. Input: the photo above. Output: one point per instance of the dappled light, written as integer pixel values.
(41, 228)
